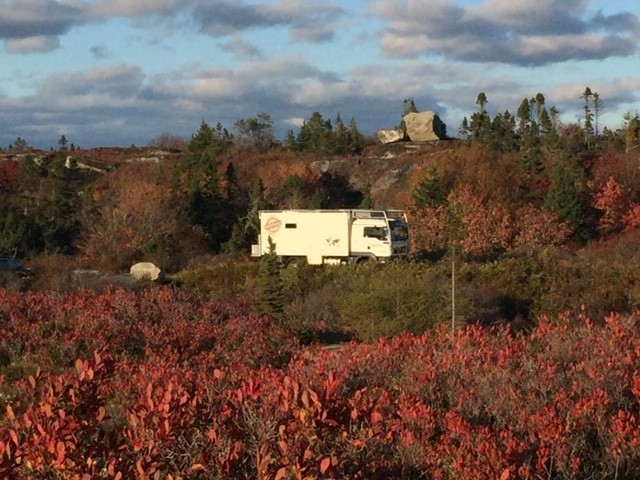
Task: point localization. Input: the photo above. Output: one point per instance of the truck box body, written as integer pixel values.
(332, 236)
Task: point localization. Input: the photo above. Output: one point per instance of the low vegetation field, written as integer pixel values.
(164, 384)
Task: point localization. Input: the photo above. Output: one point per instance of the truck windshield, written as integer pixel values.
(399, 231)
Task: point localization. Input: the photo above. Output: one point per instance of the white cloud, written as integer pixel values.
(519, 32)
(296, 122)
(37, 44)
(241, 49)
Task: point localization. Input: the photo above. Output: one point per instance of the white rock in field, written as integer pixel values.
(145, 271)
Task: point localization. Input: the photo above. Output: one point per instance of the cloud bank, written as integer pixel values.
(359, 59)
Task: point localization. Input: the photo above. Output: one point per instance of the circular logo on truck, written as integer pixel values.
(273, 225)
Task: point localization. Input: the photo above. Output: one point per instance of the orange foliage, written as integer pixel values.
(427, 228)
(484, 225)
(631, 219)
(612, 204)
(133, 212)
(535, 227)
(8, 175)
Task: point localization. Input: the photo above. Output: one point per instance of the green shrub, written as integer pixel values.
(228, 279)
(382, 300)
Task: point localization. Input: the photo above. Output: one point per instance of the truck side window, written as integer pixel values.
(290, 225)
(375, 232)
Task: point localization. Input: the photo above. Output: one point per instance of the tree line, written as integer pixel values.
(197, 204)
(557, 182)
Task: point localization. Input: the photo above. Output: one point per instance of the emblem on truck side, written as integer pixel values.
(333, 241)
(273, 225)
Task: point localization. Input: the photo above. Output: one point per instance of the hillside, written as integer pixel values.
(504, 187)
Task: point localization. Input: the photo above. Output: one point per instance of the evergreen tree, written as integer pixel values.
(481, 101)
(290, 141)
(539, 104)
(597, 110)
(236, 200)
(316, 135)
(481, 122)
(270, 285)
(563, 198)
(430, 192)
(356, 139)
(409, 106)
(524, 117)
(293, 192)
(464, 130)
(59, 222)
(631, 130)
(13, 231)
(63, 143)
(341, 137)
(502, 128)
(249, 225)
(256, 133)
(588, 116)
(549, 126)
(334, 191)
(545, 123)
(207, 205)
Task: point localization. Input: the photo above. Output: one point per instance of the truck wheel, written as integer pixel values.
(365, 260)
(293, 262)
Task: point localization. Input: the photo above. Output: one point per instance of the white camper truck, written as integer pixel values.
(333, 236)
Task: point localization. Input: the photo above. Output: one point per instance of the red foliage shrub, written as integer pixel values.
(206, 391)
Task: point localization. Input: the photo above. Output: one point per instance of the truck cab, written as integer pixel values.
(376, 235)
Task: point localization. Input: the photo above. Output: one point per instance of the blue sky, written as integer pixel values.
(122, 72)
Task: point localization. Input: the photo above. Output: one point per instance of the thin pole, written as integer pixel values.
(453, 289)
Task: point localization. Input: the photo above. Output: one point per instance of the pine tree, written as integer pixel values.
(59, 222)
(63, 143)
(430, 192)
(256, 133)
(539, 104)
(356, 139)
(563, 198)
(524, 117)
(597, 109)
(482, 101)
(207, 206)
(316, 135)
(464, 131)
(409, 106)
(588, 116)
(270, 285)
(290, 141)
(481, 121)
(341, 136)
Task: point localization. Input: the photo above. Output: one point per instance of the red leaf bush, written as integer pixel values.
(196, 389)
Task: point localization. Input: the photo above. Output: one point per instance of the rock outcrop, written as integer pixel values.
(424, 127)
(390, 135)
(145, 271)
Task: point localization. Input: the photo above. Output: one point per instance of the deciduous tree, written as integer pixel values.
(610, 201)
(134, 218)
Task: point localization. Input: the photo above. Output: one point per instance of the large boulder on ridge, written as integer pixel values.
(424, 127)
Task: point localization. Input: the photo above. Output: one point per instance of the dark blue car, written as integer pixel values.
(10, 264)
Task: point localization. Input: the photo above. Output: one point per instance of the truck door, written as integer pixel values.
(371, 237)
